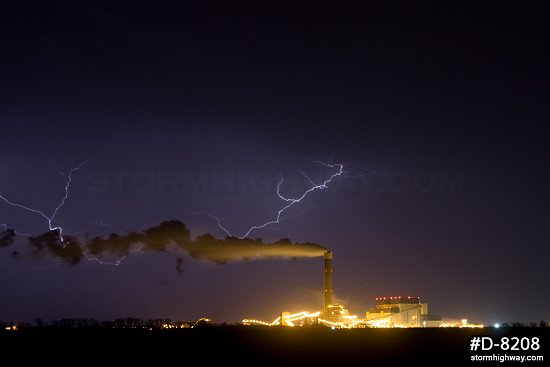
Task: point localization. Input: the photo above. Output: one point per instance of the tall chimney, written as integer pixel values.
(328, 279)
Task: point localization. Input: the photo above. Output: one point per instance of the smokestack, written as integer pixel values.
(328, 279)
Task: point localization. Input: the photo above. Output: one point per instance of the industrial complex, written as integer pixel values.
(389, 312)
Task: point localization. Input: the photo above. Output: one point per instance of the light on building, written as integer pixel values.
(497, 325)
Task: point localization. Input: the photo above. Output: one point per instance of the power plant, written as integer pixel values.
(395, 311)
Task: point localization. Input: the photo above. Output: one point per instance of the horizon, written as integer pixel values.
(411, 141)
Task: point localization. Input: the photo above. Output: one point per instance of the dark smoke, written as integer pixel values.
(179, 265)
(171, 236)
(69, 249)
(7, 237)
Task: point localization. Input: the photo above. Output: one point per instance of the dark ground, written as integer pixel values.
(258, 346)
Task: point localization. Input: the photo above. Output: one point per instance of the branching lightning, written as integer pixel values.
(118, 259)
(290, 201)
(116, 262)
(68, 179)
(118, 248)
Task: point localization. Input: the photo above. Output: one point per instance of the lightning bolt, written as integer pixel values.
(290, 201)
(4, 227)
(116, 262)
(118, 259)
(68, 179)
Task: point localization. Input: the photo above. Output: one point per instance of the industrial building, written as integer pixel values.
(401, 312)
(397, 311)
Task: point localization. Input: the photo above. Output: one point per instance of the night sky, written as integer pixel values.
(436, 110)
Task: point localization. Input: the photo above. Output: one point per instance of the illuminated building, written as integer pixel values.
(461, 324)
(335, 313)
(401, 312)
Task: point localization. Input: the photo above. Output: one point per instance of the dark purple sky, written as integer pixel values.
(437, 110)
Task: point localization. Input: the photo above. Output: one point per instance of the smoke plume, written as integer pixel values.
(169, 236)
(68, 250)
(7, 237)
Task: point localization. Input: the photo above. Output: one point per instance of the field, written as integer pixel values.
(259, 346)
